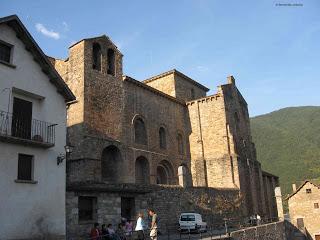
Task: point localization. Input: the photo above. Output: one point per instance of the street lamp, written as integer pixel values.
(68, 149)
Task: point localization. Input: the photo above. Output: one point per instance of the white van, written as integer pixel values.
(192, 222)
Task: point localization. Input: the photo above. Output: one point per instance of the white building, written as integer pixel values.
(33, 100)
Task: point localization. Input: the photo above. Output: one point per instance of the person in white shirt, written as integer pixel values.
(140, 227)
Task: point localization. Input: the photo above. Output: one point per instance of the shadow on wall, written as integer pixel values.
(99, 158)
(294, 233)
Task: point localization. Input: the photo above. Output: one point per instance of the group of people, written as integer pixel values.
(125, 229)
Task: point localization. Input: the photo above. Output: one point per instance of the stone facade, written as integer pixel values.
(164, 131)
(274, 231)
(304, 209)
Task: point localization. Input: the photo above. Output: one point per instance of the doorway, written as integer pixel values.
(21, 118)
(128, 208)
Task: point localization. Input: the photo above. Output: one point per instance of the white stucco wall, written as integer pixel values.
(28, 210)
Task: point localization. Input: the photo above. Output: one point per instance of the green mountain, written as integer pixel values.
(288, 144)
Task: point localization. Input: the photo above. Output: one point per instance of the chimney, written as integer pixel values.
(231, 80)
(294, 187)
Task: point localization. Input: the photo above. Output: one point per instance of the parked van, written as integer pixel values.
(192, 222)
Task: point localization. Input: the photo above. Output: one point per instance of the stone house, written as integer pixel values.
(304, 208)
(160, 143)
(33, 99)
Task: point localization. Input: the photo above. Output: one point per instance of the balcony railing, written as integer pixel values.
(24, 130)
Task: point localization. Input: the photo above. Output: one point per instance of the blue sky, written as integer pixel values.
(272, 51)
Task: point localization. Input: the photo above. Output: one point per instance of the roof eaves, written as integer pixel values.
(14, 22)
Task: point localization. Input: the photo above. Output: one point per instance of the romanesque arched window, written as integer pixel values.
(111, 162)
(111, 62)
(180, 144)
(140, 132)
(162, 138)
(96, 56)
(165, 173)
(142, 171)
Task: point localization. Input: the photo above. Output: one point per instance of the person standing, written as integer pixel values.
(153, 227)
(140, 227)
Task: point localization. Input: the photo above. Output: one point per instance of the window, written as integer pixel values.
(180, 144)
(140, 133)
(87, 208)
(300, 223)
(316, 205)
(308, 190)
(162, 138)
(128, 207)
(111, 62)
(96, 56)
(25, 167)
(5, 52)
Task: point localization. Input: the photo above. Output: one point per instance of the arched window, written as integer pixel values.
(162, 138)
(96, 56)
(180, 144)
(142, 171)
(164, 173)
(111, 62)
(111, 164)
(140, 133)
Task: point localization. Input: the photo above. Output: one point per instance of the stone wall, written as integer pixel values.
(168, 202)
(274, 231)
(209, 145)
(186, 89)
(178, 85)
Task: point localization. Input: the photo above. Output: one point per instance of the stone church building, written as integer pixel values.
(160, 143)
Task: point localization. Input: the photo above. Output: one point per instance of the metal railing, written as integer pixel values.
(221, 230)
(22, 127)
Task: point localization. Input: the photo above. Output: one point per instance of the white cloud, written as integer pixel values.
(65, 26)
(48, 33)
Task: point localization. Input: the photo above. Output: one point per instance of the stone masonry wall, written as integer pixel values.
(168, 202)
(274, 231)
(156, 111)
(164, 84)
(183, 89)
(249, 169)
(210, 157)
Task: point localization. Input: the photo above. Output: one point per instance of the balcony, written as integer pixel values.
(26, 131)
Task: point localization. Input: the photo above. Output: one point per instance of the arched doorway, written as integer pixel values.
(142, 170)
(111, 162)
(164, 173)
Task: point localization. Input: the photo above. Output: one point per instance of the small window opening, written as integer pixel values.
(111, 62)
(25, 166)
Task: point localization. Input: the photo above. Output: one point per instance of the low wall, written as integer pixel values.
(274, 231)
